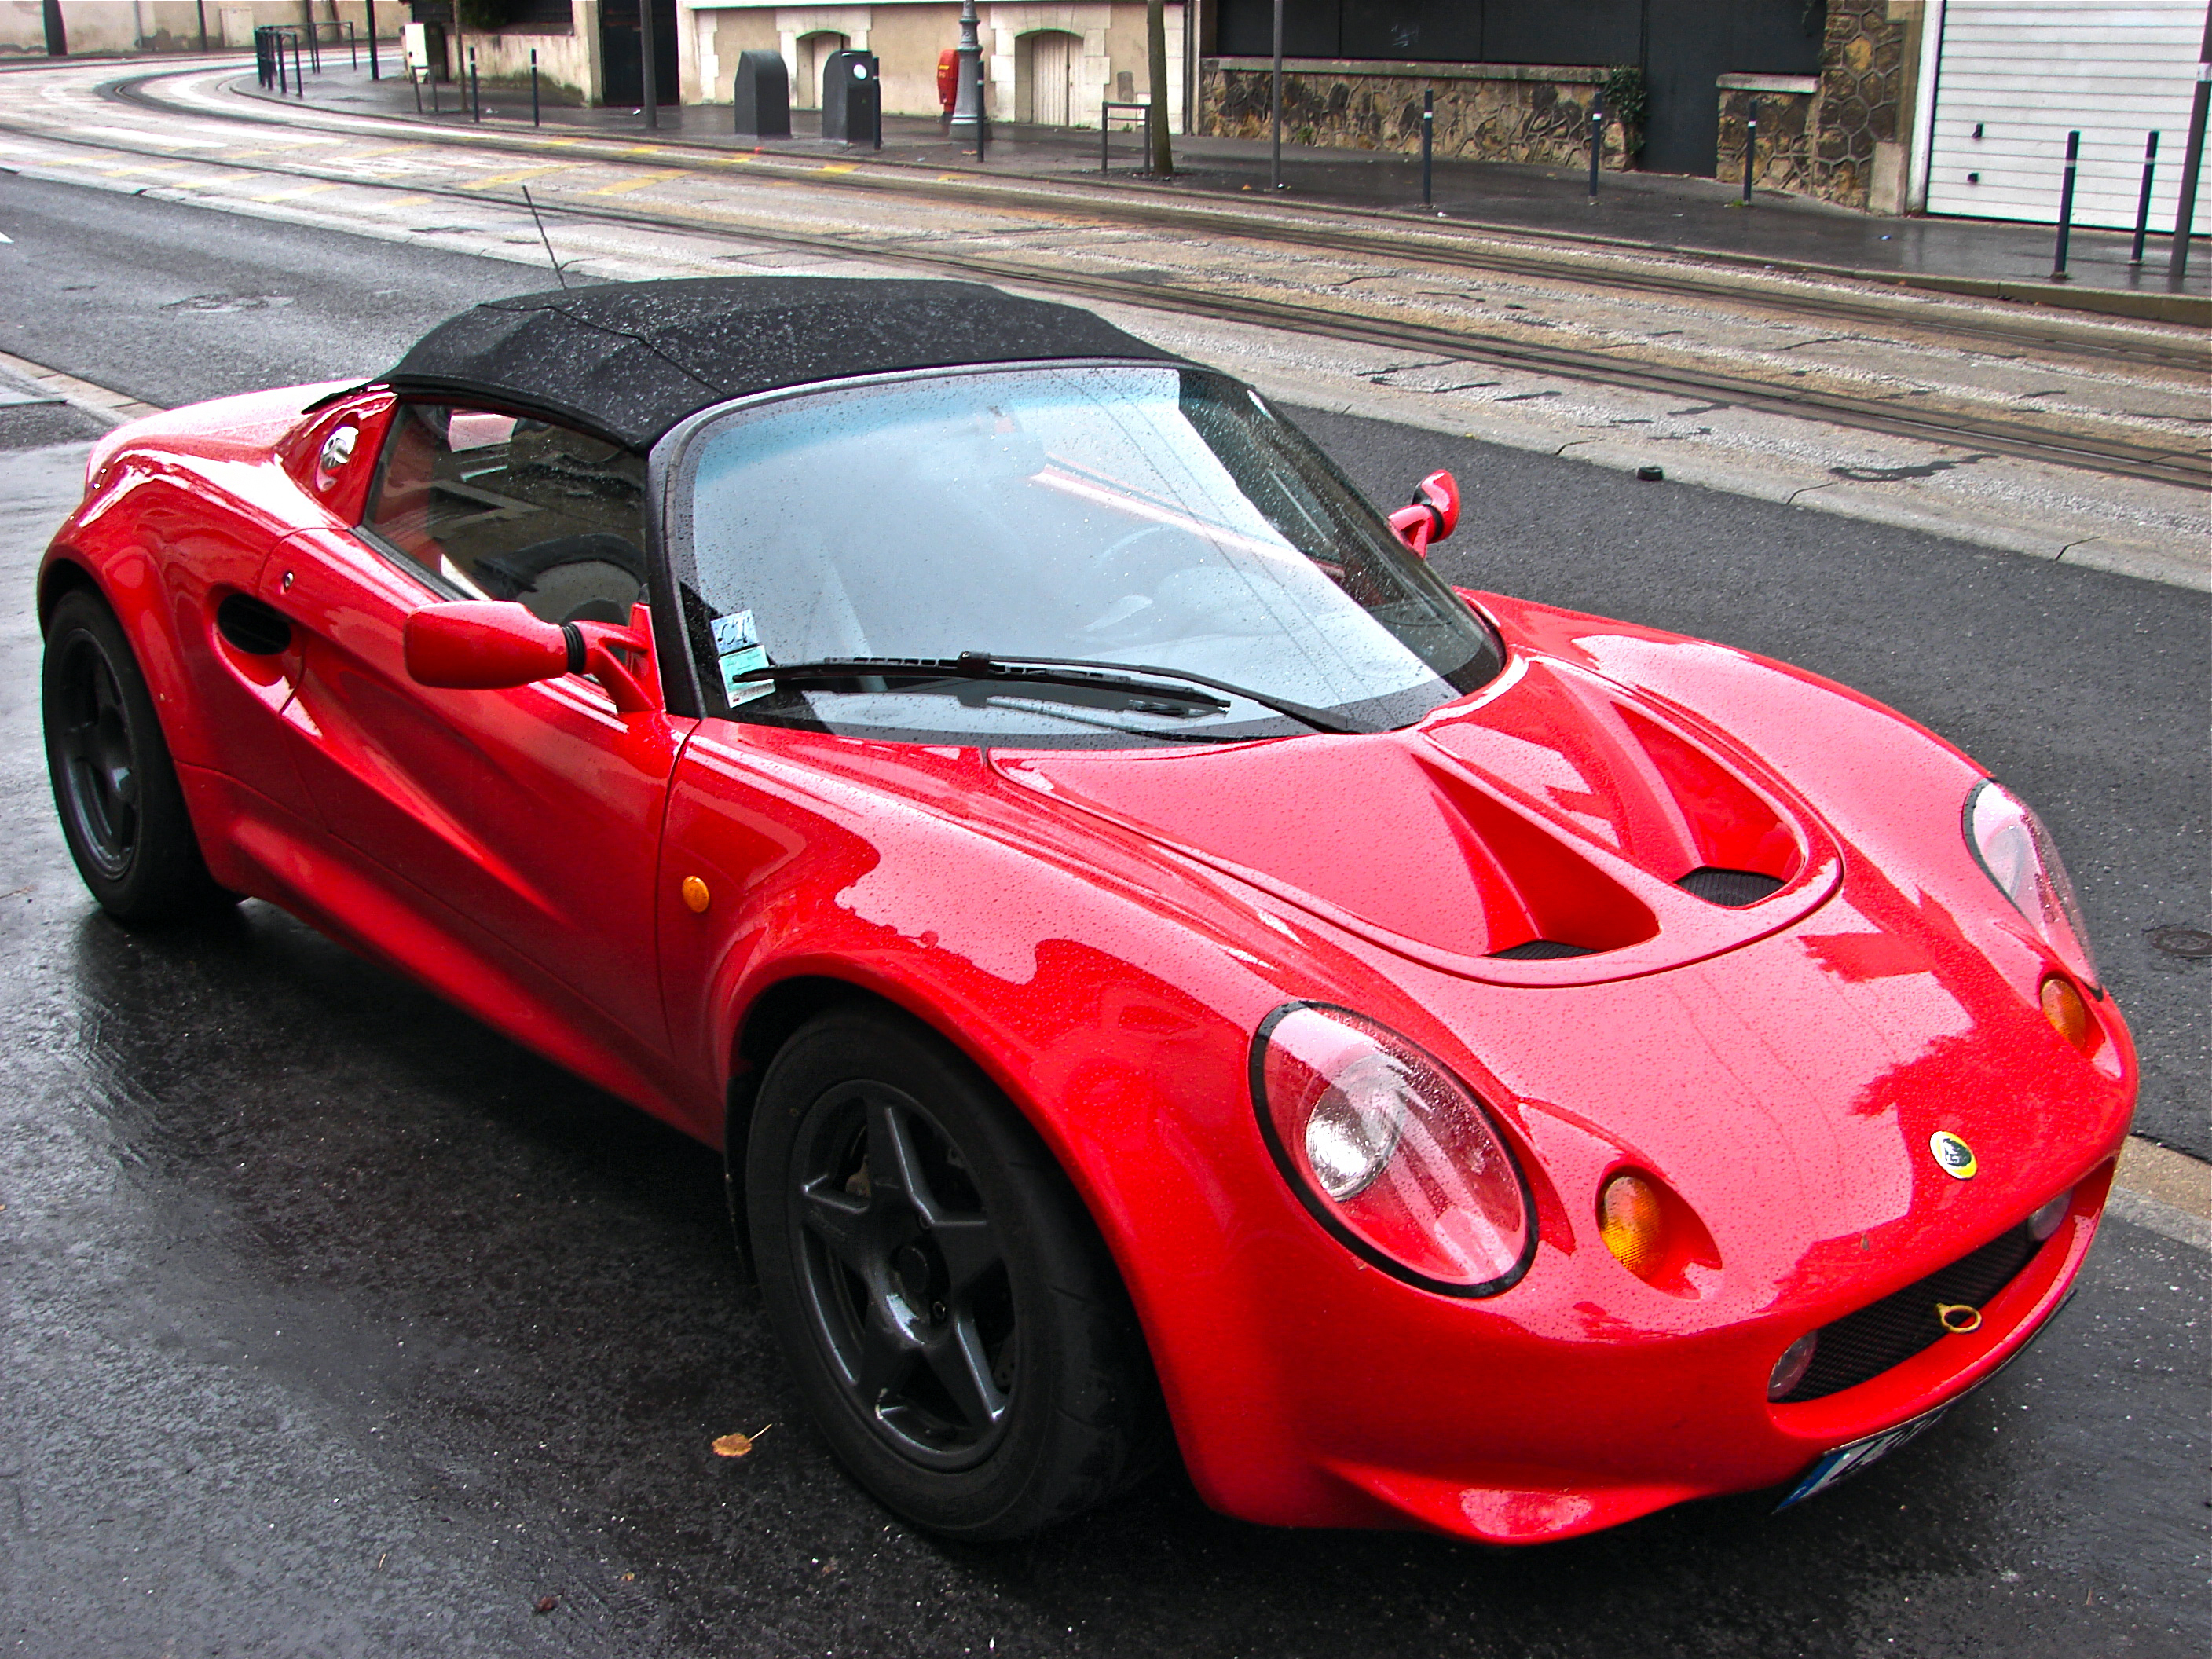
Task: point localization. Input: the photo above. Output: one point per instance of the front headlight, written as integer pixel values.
(1389, 1152)
(2011, 844)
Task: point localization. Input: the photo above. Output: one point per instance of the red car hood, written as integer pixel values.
(1556, 805)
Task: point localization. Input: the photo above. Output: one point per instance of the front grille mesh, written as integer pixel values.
(1866, 1343)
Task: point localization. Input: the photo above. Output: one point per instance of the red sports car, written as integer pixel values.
(1167, 971)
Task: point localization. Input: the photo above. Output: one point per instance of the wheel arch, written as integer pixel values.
(66, 571)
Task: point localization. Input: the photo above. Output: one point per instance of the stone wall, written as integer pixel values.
(1784, 106)
(1862, 121)
(1485, 112)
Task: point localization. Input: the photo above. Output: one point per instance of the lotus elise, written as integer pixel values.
(1169, 974)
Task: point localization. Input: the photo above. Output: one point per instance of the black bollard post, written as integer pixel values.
(2142, 206)
(1596, 144)
(533, 86)
(2192, 163)
(476, 90)
(2066, 207)
(1750, 153)
(1428, 146)
(299, 73)
(376, 70)
(415, 81)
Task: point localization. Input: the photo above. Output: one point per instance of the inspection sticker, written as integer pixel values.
(738, 649)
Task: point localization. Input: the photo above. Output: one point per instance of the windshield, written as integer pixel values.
(1160, 518)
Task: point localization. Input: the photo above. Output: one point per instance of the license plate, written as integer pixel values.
(1847, 1461)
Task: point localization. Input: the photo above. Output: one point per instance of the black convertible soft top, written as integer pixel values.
(628, 361)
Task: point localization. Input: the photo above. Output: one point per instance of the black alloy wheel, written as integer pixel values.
(951, 1316)
(97, 778)
(903, 1275)
(122, 810)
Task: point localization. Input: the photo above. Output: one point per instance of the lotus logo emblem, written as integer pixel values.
(1953, 1156)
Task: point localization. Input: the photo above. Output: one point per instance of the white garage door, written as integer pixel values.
(2016, 75)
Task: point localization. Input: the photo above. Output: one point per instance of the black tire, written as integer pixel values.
(122, 810)
(958, 1329)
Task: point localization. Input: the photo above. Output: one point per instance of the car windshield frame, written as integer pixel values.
(682, 616)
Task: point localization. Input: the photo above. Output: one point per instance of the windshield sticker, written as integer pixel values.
(737, 650)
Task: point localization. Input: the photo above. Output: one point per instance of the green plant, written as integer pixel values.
(483, 14)
(1624, 101)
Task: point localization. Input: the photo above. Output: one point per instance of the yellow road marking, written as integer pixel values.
(628, 185)
(402, 201)
(839, 166)
(389, 150)
(515, 177)
(142, 167)
(287, 195)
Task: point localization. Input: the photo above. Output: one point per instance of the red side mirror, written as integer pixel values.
(1433, 515)
(482, 645)
(488, 645)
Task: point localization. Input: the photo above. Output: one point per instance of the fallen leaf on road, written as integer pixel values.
(737, 1445)
(547, 1603)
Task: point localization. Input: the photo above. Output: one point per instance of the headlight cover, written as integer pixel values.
(2016, 850)
(1390, 1152)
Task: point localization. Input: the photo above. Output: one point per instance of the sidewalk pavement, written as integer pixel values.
(1657, 211)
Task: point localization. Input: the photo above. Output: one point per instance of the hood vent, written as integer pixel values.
(1543, 949)
(1733, 888)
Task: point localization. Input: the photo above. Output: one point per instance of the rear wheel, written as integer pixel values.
(952, 1318)
(122, 812)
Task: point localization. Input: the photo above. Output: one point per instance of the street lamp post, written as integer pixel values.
(967, 119)
(647, 51)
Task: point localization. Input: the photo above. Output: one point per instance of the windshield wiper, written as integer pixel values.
(1320, 718)
(1040, 671)
(1147, 697)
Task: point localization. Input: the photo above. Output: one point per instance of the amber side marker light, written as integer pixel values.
(1633, 1223)
(2068, 1013)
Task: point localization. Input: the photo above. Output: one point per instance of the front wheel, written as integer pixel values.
(953, 1320)
(122, 810)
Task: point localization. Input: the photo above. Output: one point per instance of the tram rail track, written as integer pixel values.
(2165, 462)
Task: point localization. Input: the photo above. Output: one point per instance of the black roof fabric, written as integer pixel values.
(631, 360)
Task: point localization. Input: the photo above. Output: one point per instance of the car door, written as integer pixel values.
(523, 824)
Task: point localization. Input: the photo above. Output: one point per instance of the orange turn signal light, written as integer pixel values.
(1632, 1221)
(2068, 1013)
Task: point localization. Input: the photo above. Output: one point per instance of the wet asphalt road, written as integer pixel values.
(335, 1324)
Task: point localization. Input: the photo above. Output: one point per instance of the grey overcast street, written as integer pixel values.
(334, 1323)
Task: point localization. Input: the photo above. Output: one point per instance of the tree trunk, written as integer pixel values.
(1156, 117)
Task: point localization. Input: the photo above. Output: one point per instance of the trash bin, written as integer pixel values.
(763, 94)
(852, 99)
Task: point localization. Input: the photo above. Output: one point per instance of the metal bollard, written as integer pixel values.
(300, 75)
(475, 89)
(1750, 153)
(2066, 207)
(415, 81)
(2142, 206)
(533, 86)
(2193, 163)
(1596, 144)
(1428, 145)
(376, 70)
